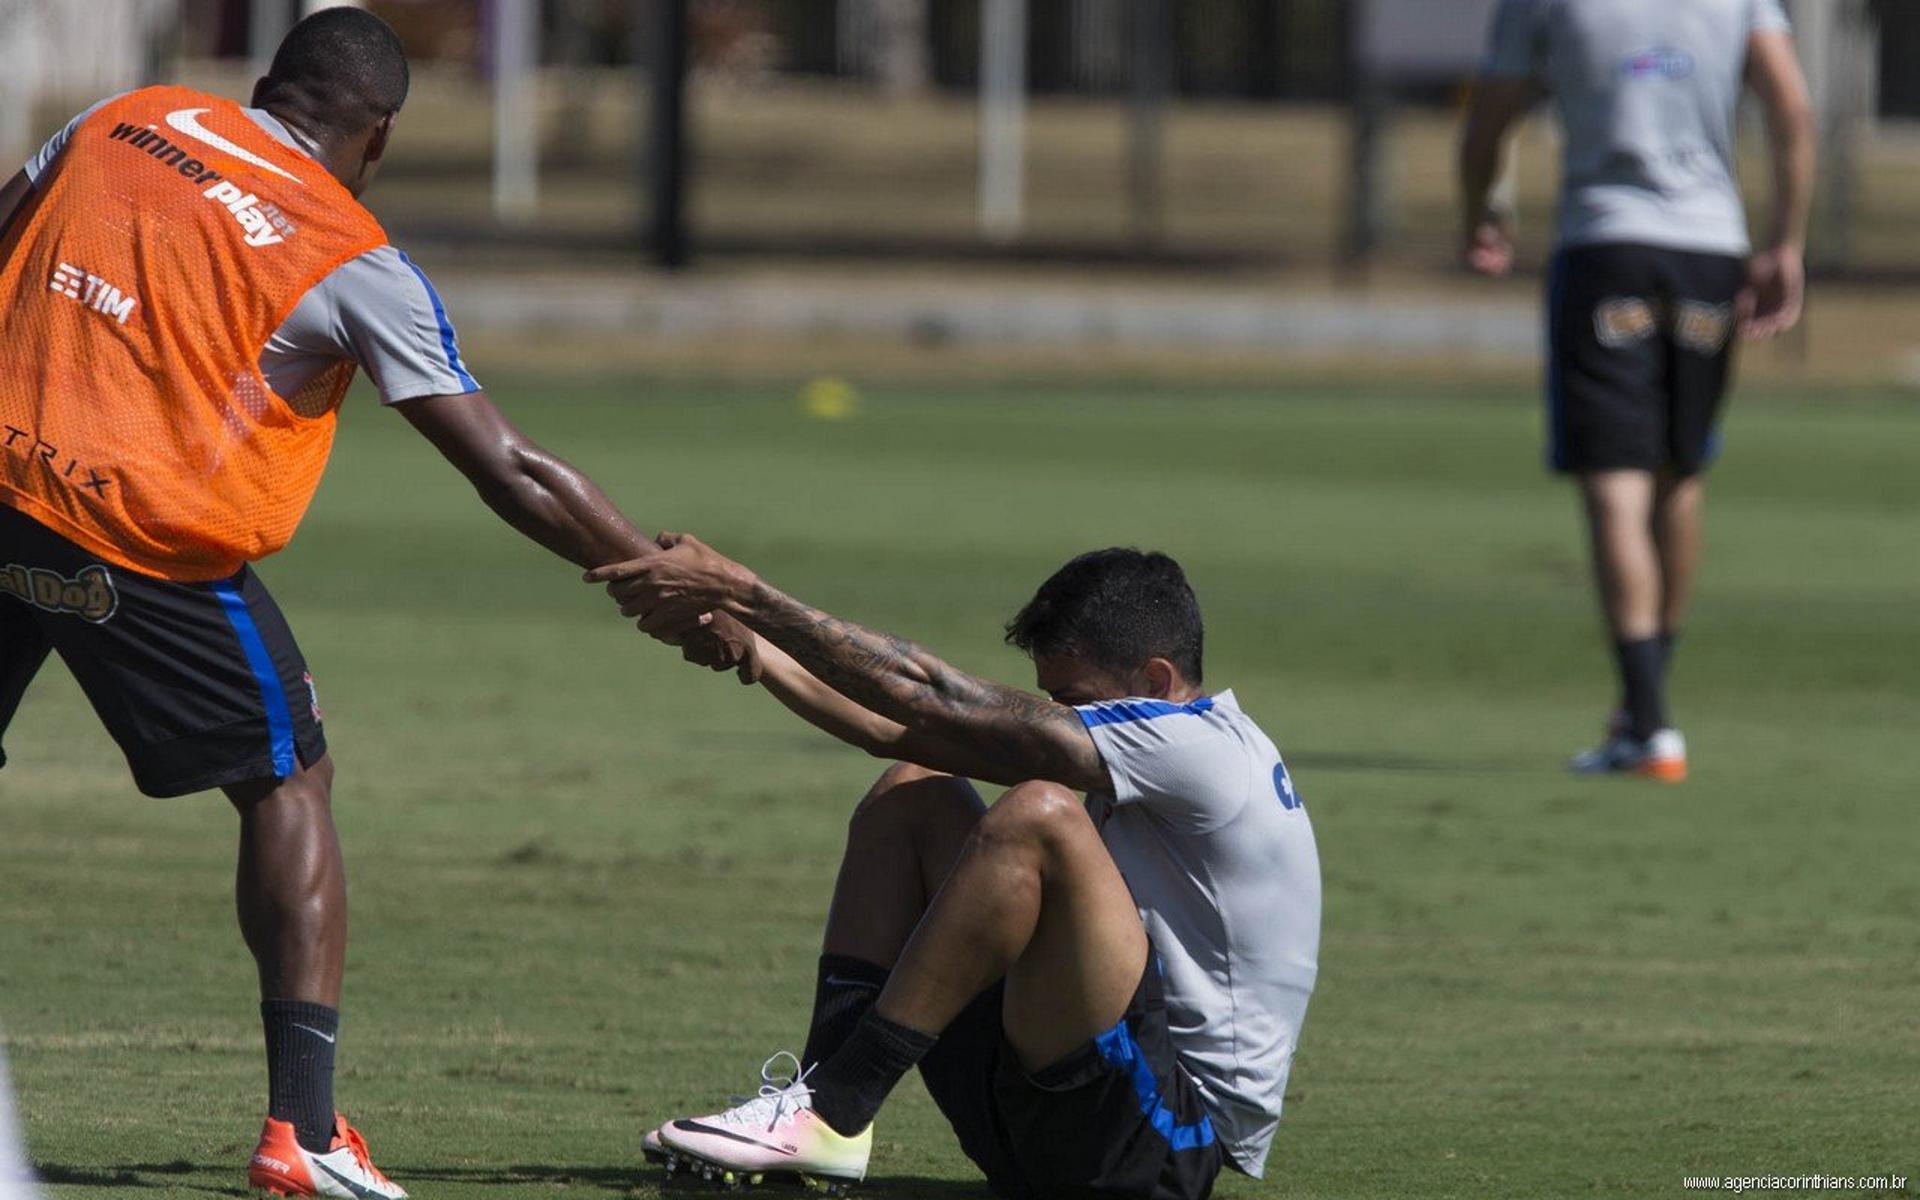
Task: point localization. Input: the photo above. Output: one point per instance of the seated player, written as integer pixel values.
(1102, 997)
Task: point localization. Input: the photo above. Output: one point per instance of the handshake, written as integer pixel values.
(689, 595)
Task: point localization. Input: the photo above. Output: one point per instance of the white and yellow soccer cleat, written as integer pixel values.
(651, 1147)
(280, 1167)
(1662, 756)
(775, 1135)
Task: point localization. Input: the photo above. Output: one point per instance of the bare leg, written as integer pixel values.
(1036, 898)
(1626, 561)
(903, 839)
(291, 886)
(1677, 520)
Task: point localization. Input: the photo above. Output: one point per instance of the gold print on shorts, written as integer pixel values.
(90, 595)
(1702, 328)
(1623, 320)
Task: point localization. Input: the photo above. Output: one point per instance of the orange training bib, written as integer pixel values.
(140, 283)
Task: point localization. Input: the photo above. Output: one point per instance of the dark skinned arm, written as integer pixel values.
(528, 487)
(1005, 735)
(552, 504)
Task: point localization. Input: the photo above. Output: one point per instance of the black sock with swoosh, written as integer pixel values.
(846, 989)
(300, 1043)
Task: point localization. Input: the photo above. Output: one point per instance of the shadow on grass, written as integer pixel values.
(625, 1178)
(137, 1175)
(617, 1180)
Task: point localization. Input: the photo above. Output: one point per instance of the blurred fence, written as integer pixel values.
(853, 128)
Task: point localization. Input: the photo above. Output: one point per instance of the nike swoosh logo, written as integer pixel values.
(187, 121)
(710, 1131)
(868, 984)
(327, 1038)
(360, 1190)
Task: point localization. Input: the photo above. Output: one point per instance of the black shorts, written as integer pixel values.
(1118, 1119)
(201, 684)
(1640, 352)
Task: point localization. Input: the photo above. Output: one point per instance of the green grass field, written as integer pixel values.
(586, 879)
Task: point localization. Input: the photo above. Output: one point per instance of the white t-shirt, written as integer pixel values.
(1648, 92)
(378, 310)
(1206, 827)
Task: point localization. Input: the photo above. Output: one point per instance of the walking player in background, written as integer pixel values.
(186, 288)
(1653, 278)
(1103, 997)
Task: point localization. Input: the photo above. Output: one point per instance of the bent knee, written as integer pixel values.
(1035, 811)
(905, 790)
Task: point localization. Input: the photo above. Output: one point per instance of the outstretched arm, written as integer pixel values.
(531, 489)
(1008, 736)
(862, 728)
(552, 504)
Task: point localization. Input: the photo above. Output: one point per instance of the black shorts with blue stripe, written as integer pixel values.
(1118, 1119)
(201, 684)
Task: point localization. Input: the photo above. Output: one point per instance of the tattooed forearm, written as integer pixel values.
(900, 680)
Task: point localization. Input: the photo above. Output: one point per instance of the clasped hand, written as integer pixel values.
(679, 596)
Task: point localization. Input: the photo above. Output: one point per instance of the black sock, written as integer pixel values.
(300, 1041)
(850, 1087)
(1667, 638)
(845, 990)
(1641, 672)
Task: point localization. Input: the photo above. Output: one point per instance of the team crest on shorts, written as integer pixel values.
(1703, 328)
(90, 595)
(313, 695)
(1623, 320)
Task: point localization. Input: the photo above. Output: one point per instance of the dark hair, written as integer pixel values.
(343, 67)
(1116, 608)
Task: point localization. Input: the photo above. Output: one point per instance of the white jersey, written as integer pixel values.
(1211, 837)
(378, 310)
(1648, 92)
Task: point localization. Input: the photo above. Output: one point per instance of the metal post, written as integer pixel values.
(267, 23)
(1366, 203)
(1153, 34)
(1003, 105)
(516, 140)
(1837, 46)
(668, 161)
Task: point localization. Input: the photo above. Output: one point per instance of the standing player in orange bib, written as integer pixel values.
(186, 288)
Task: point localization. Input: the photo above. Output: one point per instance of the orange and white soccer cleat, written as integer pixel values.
(281, 1167)
(1662, 756)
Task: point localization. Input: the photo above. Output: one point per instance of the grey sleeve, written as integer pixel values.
(1768, 16)
(381, 311)
(1513, 43)
(1174, 764)
(39, 163)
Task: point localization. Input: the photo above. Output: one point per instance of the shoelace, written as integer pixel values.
(361, 1154)
(781, 1090)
